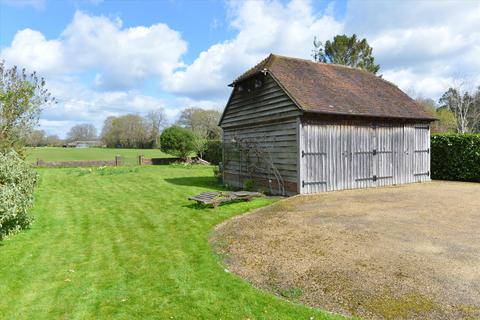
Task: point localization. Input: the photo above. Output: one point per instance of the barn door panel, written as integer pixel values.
(383, 154)
(314, 158)
(362, 156)
(422, 153)
(345, 168)
(409, 152)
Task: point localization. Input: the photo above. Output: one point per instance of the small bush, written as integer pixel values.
(455, 157)
(248, 185)
(217, 173)
(178, 142)
(17, 181)
(213, 151)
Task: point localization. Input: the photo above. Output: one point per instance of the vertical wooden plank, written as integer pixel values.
(300, 166)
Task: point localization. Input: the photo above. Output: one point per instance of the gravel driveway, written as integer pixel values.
(410, 251)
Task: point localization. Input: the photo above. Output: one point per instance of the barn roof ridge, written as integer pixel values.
(336, 89)
(270, 58)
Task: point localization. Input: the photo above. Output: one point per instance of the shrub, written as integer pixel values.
(217, 173)
(178, 142)
(456, 157)
(17, 180)
(248, 184)
(213, 151)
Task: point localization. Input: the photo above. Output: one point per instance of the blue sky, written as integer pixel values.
(103, 58)
(202, 22)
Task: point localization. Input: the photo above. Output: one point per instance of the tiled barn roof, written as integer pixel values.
(336, 89)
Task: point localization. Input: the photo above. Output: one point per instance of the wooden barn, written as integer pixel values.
(296, 126)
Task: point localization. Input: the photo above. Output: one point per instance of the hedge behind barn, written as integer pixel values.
(456, 157)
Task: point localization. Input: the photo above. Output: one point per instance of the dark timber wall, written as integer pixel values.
(267, 117)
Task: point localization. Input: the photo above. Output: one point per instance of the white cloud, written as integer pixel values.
(421, 47)
(122, 57)
(79, 104)
(263, 27)
(31, 50)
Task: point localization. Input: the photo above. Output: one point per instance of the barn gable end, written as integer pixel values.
(261, 115)
(260, 100)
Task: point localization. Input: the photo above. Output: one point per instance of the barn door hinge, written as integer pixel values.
(312, 183)
(313, 154)
(374, 178)
(374, 152)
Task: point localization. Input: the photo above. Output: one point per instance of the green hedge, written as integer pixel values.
(17, 180)
(456, 157)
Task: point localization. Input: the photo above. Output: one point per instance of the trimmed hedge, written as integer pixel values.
(17, 181)
(455, 157)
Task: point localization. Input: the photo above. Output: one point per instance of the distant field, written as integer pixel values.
(69, 154)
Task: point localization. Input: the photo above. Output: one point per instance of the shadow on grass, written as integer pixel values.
(202, 206)
(205, 182)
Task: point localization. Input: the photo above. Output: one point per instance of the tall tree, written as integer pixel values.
(446, 119)
(82, 132)
(202, 122)
(155, 121)
(36, 138)
(465, 106)
(53, 141)
(22, 97)
(347, 51)
(127, 131)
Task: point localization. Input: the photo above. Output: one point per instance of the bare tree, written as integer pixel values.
(202, 122)
(36, 138)
(446, 119)
(464, 105)
(53, 141)
(82, 132)
(127, 131)
(155, 121)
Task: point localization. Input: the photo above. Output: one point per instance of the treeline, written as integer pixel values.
(456, 111)
(135, 131)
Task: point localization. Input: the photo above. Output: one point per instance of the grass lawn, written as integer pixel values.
(70, 154)
(125, 243)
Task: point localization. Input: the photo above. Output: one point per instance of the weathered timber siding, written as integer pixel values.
(278, 142)
(266, 116)
(258, 105)
(337, 155)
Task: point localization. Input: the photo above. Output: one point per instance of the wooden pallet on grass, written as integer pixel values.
(216, 198)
